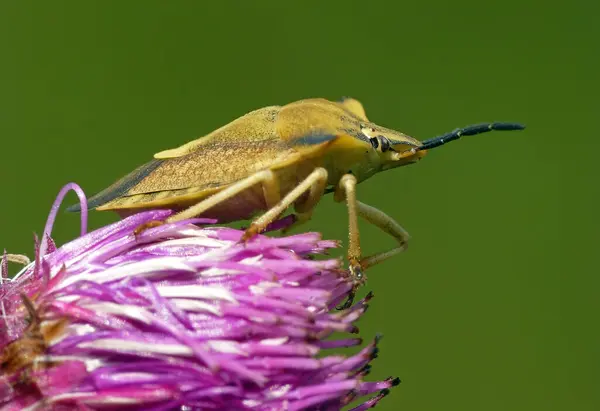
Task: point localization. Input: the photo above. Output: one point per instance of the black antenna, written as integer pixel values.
(468, 131)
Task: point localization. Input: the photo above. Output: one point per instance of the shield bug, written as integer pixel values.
(275, 157)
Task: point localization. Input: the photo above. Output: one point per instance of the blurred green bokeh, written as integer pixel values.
(495, 304)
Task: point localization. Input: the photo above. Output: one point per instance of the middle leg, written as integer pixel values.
(315, 182)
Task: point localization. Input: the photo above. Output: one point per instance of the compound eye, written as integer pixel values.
(385, 144)
(374, 142)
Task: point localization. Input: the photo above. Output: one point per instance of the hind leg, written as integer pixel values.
(266, 178)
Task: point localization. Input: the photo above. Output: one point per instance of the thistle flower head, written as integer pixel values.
(181, 317)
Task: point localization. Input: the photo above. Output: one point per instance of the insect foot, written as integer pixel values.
(358, 278)
(250, 233)
(143, 227)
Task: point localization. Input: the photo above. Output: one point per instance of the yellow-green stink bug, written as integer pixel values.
(275, 157)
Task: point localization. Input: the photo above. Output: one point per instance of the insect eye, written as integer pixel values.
(385, 144)
(374, 142)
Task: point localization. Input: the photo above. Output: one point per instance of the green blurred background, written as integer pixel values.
(494, 306)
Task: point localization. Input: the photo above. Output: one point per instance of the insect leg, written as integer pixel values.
(271, 194)
(346, 189)
(315, 182)
(266, 178)
(386, 224)
(304, 207)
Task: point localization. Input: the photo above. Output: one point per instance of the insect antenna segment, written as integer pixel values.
(468, 131)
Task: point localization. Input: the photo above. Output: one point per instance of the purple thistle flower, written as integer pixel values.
(181, 317)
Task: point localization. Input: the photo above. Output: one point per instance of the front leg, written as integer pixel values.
(346, 189)
(386, 224)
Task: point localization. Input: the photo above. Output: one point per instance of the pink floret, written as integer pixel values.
(184, 315)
